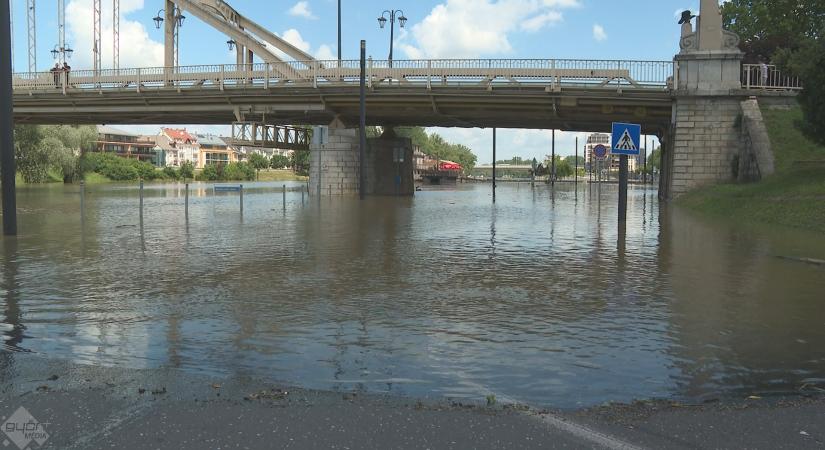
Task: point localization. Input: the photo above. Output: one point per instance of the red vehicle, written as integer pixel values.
(449, 166)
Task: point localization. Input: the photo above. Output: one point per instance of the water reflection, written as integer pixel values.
(539, 297)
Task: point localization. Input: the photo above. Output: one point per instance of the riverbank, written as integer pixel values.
(792, 197)
(96, 407)
(96, 178)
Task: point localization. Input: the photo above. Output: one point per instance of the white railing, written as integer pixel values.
(758, 76)
(554, 74)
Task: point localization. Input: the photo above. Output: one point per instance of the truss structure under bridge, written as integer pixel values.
(255, 134)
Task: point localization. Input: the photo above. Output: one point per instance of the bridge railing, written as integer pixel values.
(758, 76)
(554, 73)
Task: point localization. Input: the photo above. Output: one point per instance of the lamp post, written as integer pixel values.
(382, 22)
(61, 54)
(178, 18)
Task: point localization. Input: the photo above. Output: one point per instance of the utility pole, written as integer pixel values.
(7, 164)
(61, 30)
(96, 36)
(115, 34)
(32, 22)
(362, 151)
(339, 33)
(11, 25)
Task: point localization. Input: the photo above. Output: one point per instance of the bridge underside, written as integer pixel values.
(584, 109)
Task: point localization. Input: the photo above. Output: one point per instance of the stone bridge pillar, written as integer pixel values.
(333, 167)
(705, 129)
(334, 164)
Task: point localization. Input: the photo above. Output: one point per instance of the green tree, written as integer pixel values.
(563, 168)
(187, 170)
(654, 161)
(258, 162)
(32, 158)
(808, 62)
(572, 160)
(300, 162)
(770, 27)
(280, 161)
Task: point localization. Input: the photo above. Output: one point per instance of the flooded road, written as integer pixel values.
(532, 299)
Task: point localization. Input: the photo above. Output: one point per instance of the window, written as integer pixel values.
(217, 158)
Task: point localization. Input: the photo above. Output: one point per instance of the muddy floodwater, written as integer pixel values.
(535, 299)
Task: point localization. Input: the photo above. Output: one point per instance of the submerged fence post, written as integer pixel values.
(141, 202)
(186, 208)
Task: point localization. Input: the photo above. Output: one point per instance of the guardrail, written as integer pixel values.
(553, 73)
(759, 76)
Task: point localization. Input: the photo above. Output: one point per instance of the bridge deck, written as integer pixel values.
(561, 94)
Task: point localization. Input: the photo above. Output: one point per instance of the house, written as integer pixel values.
(185, 144)
(214, 150)
(124, 144)
(166, 151)
(244, 152)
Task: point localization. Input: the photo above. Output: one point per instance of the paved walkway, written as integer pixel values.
(88, 407)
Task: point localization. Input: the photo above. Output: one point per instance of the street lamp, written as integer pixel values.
(178, 18)
(231, 44)
(65, 52)
(382, 22)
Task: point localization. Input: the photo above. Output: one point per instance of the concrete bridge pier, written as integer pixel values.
(335, 166)
(705, 134)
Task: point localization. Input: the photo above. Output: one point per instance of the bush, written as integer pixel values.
(280, 161)
(171, 173)
(209, 173)
(118, 169)
(241, 171)
(231, 172)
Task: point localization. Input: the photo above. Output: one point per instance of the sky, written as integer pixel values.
(577, 29)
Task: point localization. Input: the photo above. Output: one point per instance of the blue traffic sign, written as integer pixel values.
(600, 151)
(627, 139)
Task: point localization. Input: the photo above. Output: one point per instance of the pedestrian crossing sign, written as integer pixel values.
(627, 139)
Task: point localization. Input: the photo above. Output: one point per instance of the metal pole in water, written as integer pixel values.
(82, 195)
(553, 160)
(622, 189)
(7, 163)
(302, 197)
(186, 207)
(577, 161)
(241, 190)
(494, 165)
(362, 152)
(284, 194)
(645, 159)
(141, 201)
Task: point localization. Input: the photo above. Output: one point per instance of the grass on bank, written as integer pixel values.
(280, 175)
(794, 196)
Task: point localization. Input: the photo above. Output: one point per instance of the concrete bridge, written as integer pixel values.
(695, 104)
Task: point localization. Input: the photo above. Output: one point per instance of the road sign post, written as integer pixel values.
(627, 139)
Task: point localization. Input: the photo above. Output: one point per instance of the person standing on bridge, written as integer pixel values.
(66, 69)
(56, 73)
